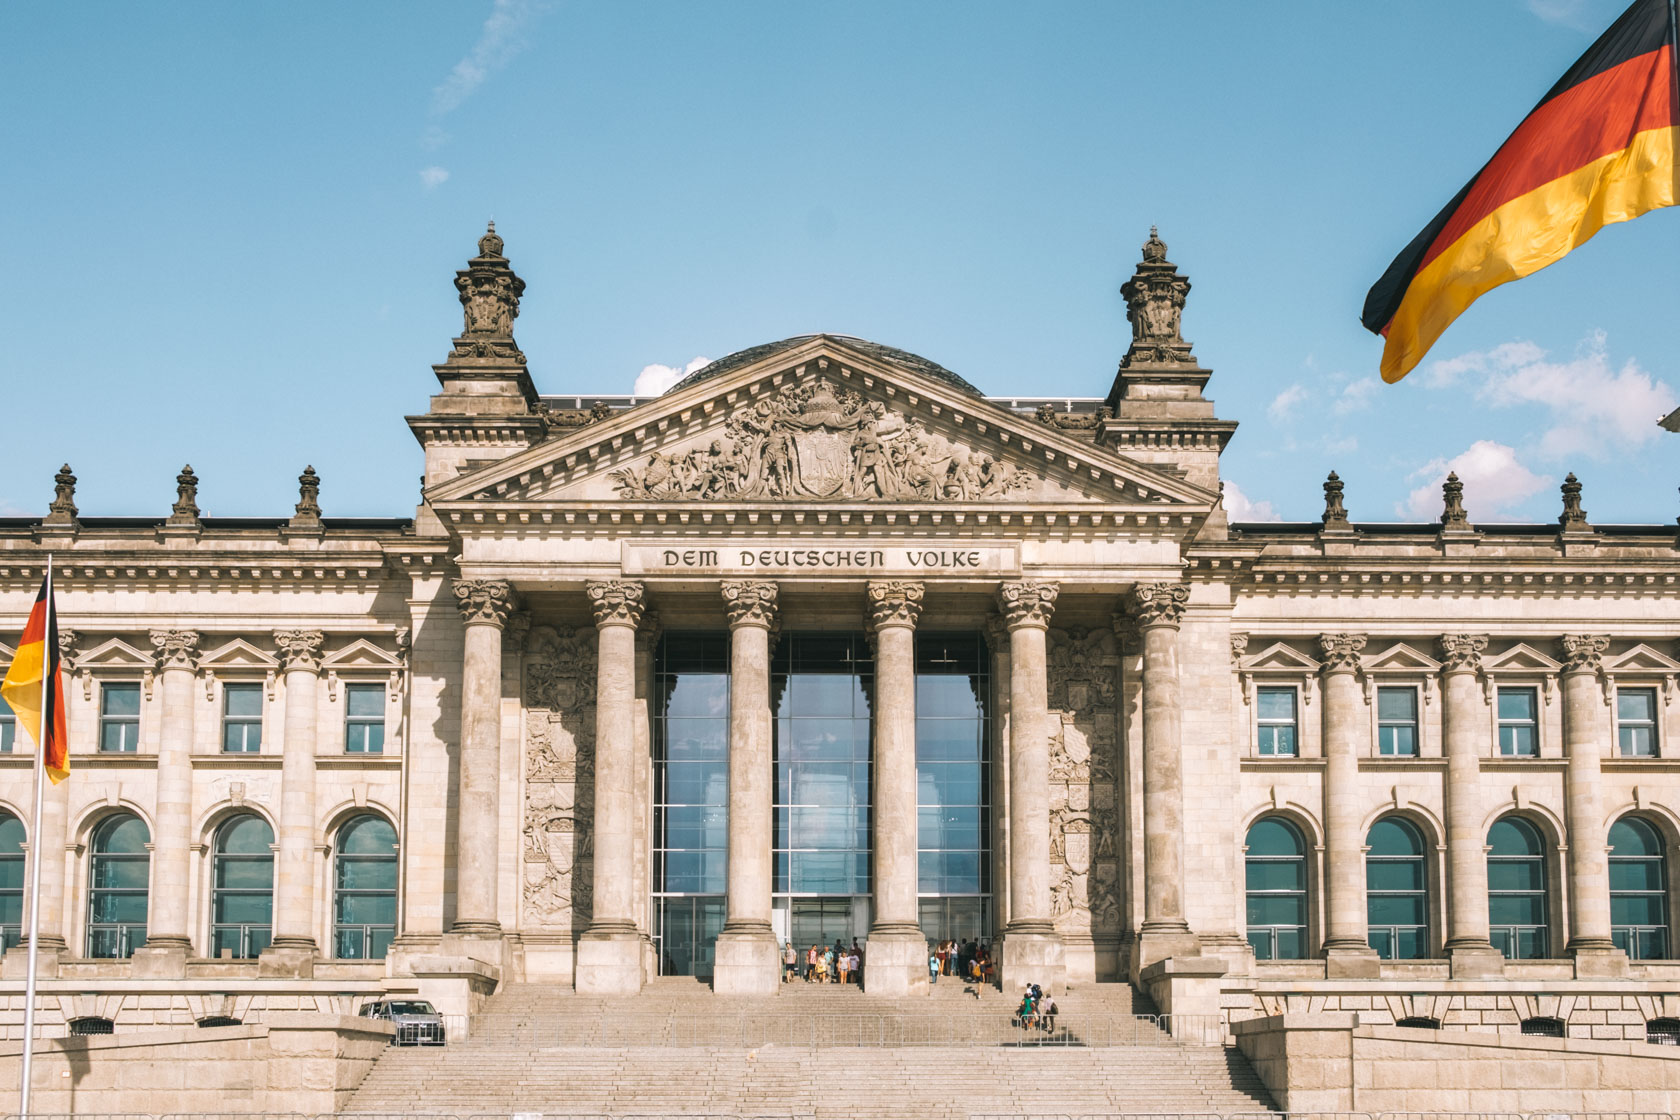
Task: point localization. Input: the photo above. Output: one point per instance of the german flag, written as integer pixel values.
(37, 658)
(1599, 148)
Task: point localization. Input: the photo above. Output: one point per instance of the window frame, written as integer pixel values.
(1546, 892)
(1416, 722)
(8, 724)
(11, 934)
(217, 892)
(339, 890)
(1627, 937)
(1305, 846)
(1536, 724)
(1653, 725)
(239, 687)
(353, 723)
(1425, 890)
(94, 891)
(1261, 723)
(108, 720)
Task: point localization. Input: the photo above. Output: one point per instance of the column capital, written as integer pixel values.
(1159, 604)
(1340, 652)
(299, 650)
(616, 602)
(484, 602)
(514, 632)
(1583, 653)
(648, 631)
(750, 603)
(894, 602)
(1462, 653)
(997, 633)
(175, 649)
(1027, 603)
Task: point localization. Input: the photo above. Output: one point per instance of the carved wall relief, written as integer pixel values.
(559, 778)
(1084, 783)
(819, 442)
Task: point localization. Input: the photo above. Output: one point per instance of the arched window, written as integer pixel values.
(11, 880)
(242, 888)
(1662, 1032)
(118, 874)
(91, 1024)
(1638, 890)
(1420, 1023)
(1396, 891)
(365, 901)
(1277, 890)
(1544, 1026)
(1517, 901)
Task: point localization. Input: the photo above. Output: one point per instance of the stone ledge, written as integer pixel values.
(1504, 1041)
(141, 1039)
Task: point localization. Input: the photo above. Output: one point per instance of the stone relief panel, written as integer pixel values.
(1084, 783)
(816, 442)
(559, 779)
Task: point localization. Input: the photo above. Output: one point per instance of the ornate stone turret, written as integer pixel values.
(306, 515)
(1335, 513)
(1453, 516)
(485, 371)
(62, 512)
(1154, 304)
(1573, 519)
(184, 513)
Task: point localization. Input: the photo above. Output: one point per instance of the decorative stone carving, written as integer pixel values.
(69, 643)
(1027, 602)
(175, 649)
(1160, 604)
(483, 601)
(299, 649)
(1452, 504)
(616, 601)
(1573, 518)
(1335, 513)
(1583, 653)
(185, 509)
(63, 508)
(1154, 304)
(815, 442)
(1126, 633)
(1461, 652)
(307, 513)
(894, 603)
(1239, 646)
(489, 291)
(750, 603)
(518, 625)
(1339, 653)
(1084, 778)
(559, 779)
(997, 634)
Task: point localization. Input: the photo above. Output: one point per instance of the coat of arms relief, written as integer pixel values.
(559, 778)
(817, 441)
(1084, 782)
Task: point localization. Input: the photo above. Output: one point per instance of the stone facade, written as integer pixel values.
(507, 634)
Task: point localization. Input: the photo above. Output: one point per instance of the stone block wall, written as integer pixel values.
(1602, 1015)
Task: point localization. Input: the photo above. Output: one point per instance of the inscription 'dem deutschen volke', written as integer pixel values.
(825, 559)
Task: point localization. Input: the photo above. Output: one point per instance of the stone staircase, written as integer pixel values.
(677, 1048)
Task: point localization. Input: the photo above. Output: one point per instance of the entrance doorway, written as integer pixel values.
(688, 931)
(823, 921)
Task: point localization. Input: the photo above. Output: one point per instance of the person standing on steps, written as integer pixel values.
(933, 968)
(790, 961)
(811, 964)
(1047, 1014)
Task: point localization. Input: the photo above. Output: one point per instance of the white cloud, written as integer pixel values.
(656, 379)
(1494, 481)
(1239, 507)
(433, 177)
(1569, 13)
(1356, 397)
(1594, 410)
(501, 38)
(1283, 405)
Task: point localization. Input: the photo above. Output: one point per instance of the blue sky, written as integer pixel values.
(231, 229)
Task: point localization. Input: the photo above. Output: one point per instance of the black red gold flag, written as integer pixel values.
(1599, 148)
(37, 659)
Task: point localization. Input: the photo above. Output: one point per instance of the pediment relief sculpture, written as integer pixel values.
(818, 442)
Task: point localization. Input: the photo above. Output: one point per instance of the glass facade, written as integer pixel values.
(1517, 897)
(118, 875)
(952, 782)
(242, 889)
(1396, 891)
(1638, 890)
(1276, 872)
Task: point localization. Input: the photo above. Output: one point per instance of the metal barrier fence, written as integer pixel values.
(860, 1029)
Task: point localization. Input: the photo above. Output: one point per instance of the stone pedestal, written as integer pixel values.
(159, 962)
(1031, 958)
(895, 963)
(1186, 990)
(15, 964)
(609, 964)
(287, 962)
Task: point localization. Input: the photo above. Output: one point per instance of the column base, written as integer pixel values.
(1032, 958)
(895, 963)
(15, 965)
(1158, 941)
(609, 963)
(160, 962)
(747, 963)
(1598, 960)
(1477, 960)
(1351, 960)
(288, 960)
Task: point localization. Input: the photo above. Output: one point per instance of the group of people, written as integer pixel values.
(1037, 1011)
(969, 960)
(836, 965)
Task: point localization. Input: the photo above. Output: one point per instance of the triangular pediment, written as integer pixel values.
(1521, 658)
(1642, 659)
(1279, 657)
(115, 653)
(361, 654)
(1400, 658)
(238, 654)
(818, 423)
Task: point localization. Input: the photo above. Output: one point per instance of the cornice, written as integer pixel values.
(1419, 577)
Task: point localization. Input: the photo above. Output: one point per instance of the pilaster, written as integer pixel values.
(1590, 944)
(1347, 948)
(293, 950)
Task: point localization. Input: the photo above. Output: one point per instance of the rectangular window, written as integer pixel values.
(242, 709)
(364, 719)
(1397, 722)
(8, 727)
(1519, 717)
(119, 717)
(1636, 722)
(1277, 721)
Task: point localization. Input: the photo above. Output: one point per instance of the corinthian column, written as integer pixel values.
(1463, 730)
(485, 605)
(747, 962)
(1347, 948)
(1584, 742)
(1032, 950)
(1159, 608)
(609, 951)
(997, 641)
(168, 936)
(897, 960)
(293, 949)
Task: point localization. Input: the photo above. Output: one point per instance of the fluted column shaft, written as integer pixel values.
(1344, 854)
(1160, 608)
(1463, 729)
(485, 605)
(1583, 744)
(1027, 607)
(894, 608)
(751, 608)
(997, 638)
(618, 612)
(294, 872)
(167, 922)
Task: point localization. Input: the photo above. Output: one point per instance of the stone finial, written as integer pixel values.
(489, 292)
(1460, 652)
(894, 603)
(490, 245)
(185, 509)
(308, 509)
(1027, 602)
(1159, 604)
(484, 601)
(1573, 518)
(63, 508)
(175, 649)
(1452, 504)
(1583, 652)
(616, 602)
(299, 649)
(750, 603)
(1335, 513)
(1340, 652)
(1154, 305)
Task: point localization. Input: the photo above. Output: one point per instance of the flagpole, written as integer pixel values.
(49, 671)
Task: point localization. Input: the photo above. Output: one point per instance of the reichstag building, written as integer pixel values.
(823, 644)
